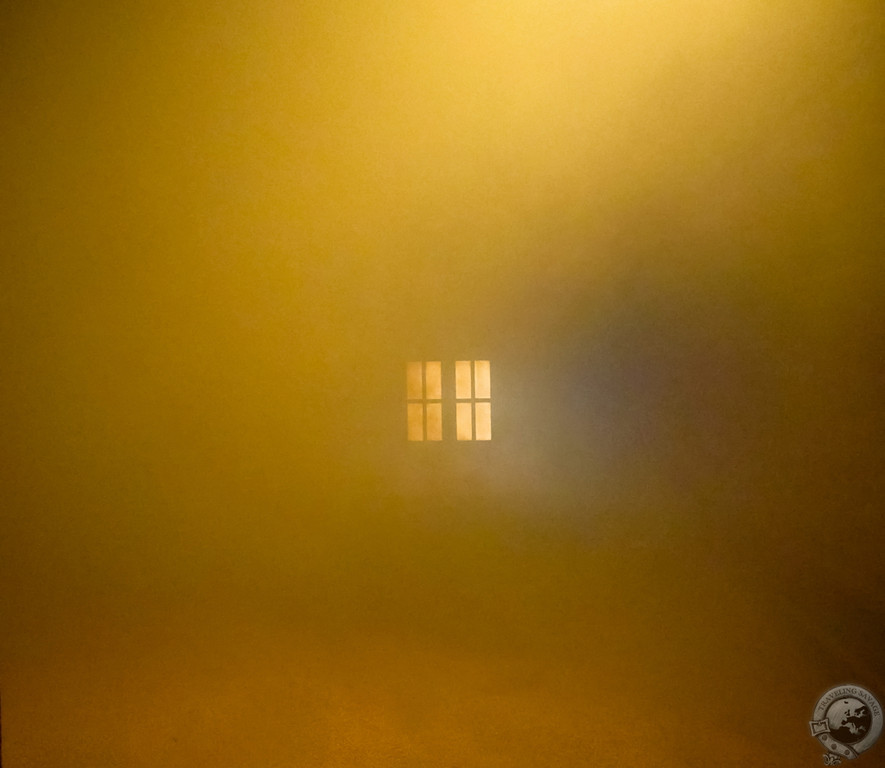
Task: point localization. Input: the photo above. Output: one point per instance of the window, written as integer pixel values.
(424, 393)
(473, 406)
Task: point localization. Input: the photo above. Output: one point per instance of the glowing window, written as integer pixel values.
(424, 394)
(473, 406)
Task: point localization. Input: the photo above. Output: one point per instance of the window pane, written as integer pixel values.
(464, 420)
(483, 374)
(414, 381)
(433, 380)
(416, 421)
(434, 421)
(463, 384)
(483, 421)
